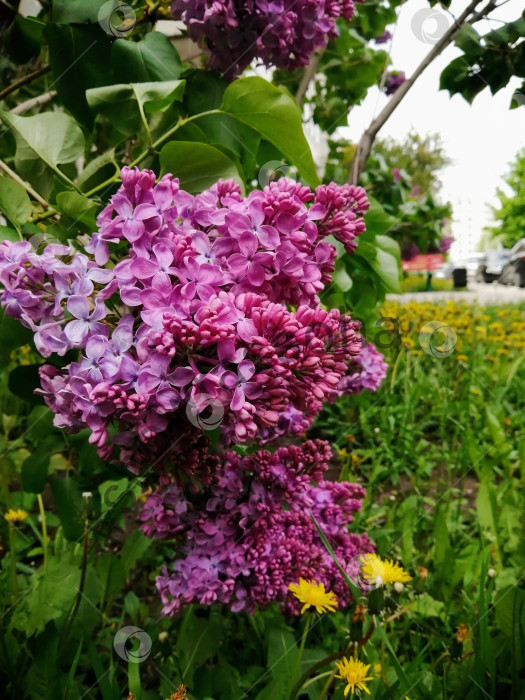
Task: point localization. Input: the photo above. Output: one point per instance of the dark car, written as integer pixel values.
(492, 268)
(514, 269)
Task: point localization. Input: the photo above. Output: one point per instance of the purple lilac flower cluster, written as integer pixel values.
(445, 243)
(367, 370)
(205, 280)
(249, 534)
(281, 33)
(384, 37)
(394, 80)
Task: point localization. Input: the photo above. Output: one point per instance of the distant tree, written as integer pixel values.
(510, 215)
(421, 157)
(403, 176)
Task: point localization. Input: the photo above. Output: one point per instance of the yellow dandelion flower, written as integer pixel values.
(354, 673)
(462, 358)
(313, 594)
(343, 453)
(15, 516)
(382, 572)
(356, 460)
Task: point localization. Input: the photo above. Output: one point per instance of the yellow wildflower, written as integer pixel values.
(382, 572)
(15, 516)
(180, 694)
(354, 673)
(313, 594)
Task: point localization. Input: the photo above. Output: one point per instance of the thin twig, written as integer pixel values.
(308, 76)
(23, 183)
(367, 139)
(37, 101)
(23, 81)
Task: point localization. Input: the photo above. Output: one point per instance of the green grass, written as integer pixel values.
(441, 448)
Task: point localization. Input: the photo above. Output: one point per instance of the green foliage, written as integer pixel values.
(43, 142)
(14, 202)
(420, 157)
(275, 116)
(198, 165)
(488, 60)
(510, 215)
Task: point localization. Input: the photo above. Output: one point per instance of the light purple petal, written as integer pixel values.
(256, 274)
(238, 399)
(77, 332)
(144, 269)
(181, 376)
(78, 306)
(268, 237)
(147, 383)
(163, 254)
(96, 347)
(248, 244)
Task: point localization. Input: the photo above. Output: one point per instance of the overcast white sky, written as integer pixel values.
(480, 138)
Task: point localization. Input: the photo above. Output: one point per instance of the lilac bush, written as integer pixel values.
(366, 372)
(249, 533)
(281, 33)
(394, 80)
(195, 314)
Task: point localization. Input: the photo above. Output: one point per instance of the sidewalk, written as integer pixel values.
(483, 294)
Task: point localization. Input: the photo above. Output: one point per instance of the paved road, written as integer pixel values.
(483, 294)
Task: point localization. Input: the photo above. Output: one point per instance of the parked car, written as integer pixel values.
(475, 262)
(444, 272)
(491, 270)
(514, 269)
